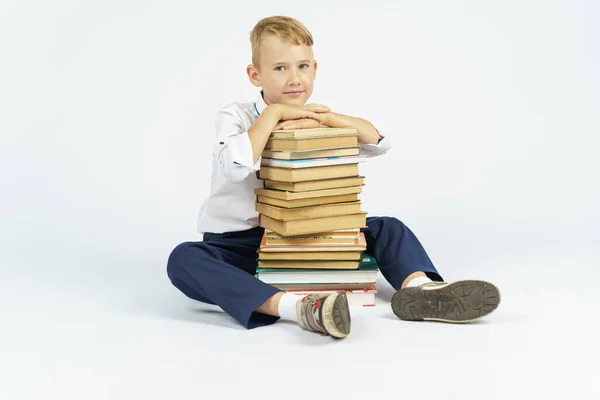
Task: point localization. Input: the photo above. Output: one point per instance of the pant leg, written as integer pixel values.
(397, 250)
(220, 270)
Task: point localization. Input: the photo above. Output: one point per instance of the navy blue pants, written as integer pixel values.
(220, 269)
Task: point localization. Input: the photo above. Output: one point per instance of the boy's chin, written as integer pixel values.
(294, 102)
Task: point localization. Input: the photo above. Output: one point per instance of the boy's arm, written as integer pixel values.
(233, 150)
(261, 129)
(371, 142)
(367, 134)
(238, 151)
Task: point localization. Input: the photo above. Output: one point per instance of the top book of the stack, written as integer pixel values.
(312, 139)
(313, 133)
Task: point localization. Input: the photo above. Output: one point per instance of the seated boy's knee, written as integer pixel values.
(392, 221)
(178, 256)
(183, 254)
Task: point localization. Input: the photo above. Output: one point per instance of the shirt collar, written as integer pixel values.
(260, 105)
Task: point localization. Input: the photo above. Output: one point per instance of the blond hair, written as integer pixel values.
(285, 28)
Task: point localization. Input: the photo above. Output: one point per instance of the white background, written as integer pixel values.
(106, 120)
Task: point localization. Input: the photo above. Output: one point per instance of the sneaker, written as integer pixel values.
(460, 301)
(326, 314)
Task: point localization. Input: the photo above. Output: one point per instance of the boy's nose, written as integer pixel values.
(293, 79)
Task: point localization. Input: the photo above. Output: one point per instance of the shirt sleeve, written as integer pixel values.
(374, 150)
(233, 149)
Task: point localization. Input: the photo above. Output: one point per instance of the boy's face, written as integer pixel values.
(286, 72)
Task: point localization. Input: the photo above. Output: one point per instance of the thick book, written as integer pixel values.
(321, 184)
(308, 174)
(306, 244)
(313, 225)
(366, 273)
(312, 143)
(304, 154)
(333, 238)
(311, 162)
(323, 210)
(290, 196)
(338, 232)
(322, 131)
(282, 275)
(314, 201)
(356, 297)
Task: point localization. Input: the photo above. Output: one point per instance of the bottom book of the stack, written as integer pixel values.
(358, 283)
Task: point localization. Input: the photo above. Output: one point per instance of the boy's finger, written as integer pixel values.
(318, 108)
(302, 124)
(316, 116)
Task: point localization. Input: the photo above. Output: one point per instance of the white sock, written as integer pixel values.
(287, 306)
(418, 281)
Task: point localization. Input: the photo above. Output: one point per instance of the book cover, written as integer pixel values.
(289, 196)
(312, 162)
(322, 131)
(320, 184)
(302, 154)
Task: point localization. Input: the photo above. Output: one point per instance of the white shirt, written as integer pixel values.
(231, 203)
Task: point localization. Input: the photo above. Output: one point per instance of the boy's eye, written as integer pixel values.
(303, 66)
(279, 68)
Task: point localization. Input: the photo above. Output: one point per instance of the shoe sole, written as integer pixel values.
(335, 315)
(457, 302)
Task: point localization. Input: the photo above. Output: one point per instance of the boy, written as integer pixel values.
(220, 269)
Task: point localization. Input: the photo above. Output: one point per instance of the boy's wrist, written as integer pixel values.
(329, 119)
(273, 113)
(334, 120)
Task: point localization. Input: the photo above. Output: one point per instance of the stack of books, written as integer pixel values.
(312, 215)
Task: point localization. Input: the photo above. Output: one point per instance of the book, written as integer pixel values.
(311, 162)
(323, 131)
(309, 186)
(317, 242)
(311, 255)
(308, 174)
(364, 297)
(323, 286)
(333, 238)
(309, 264)
(313, 225)
(289, 196)
(312, 143)
(305, 244)
(350, 232)
(307, 202)
(304, 154)
(323, 210)
(368, 263)
(366, 272)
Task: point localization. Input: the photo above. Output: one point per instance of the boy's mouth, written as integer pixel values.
(294, 92)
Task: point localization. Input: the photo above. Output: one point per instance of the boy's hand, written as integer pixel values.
(303, 123)
(313, 111)
(315, 120)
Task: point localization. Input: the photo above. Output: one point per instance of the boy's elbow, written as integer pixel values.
(236, 177)
(233, 172)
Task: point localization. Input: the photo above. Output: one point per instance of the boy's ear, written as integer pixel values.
(253, 75)
(315, 67)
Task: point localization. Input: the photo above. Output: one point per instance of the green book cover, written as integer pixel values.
(368, 263)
